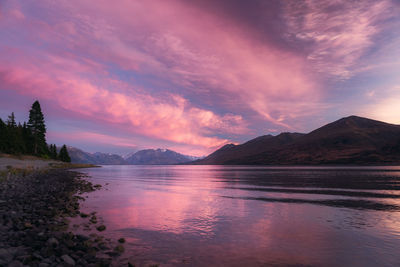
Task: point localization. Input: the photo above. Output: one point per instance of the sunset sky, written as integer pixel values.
(193, 75)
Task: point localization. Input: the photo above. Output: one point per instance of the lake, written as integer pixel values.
(251, 216)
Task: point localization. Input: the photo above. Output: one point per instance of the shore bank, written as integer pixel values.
(32, 163)
(34, 226)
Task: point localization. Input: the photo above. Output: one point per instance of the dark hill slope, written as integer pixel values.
(350, 140)
(231, 154)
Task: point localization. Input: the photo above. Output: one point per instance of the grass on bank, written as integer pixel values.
(13, 168)
(64, 165)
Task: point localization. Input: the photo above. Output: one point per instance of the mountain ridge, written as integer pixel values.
(157, 157)
(349, 140)
(142, 157)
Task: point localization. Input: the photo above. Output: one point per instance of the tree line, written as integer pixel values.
(29, 138)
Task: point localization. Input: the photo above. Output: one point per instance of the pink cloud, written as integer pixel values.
(212, 51)
(341, 31)
(173, 118)
(90, 137)
(169, 71)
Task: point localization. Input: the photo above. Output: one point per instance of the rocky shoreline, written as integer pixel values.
(34, 225)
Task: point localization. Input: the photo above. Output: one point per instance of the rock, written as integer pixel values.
(119, 249)
(84, 215)
(112, 253)
(53, 242)
(68, 260)
(28, 225)
(47, 260)
(37, 255)
(93, 219)
(103, 246)
(101, 228)
(15, 264)
(82, 237)
(34, 223)
(6, 255)
(121, 240)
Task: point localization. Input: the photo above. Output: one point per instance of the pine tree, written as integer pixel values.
(19, 145)
(64, 156)
(28, 138)
(11, 121)
(12, 138)
(3, 136)
(38, 129)
(53, 151)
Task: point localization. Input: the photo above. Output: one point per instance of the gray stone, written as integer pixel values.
(82, 237)
(6, 255)
(47, 260)
(15, 264)
(68, 260)
(52, 242)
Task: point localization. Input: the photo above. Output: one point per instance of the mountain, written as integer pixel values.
(142, 157)
(79, 156)
(350, 140)
(129, 154)
(108, 159)
(157, 156)
(231, 154)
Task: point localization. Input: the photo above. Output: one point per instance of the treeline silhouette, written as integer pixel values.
(29, 138)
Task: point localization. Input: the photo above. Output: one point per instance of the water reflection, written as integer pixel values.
(251, 216)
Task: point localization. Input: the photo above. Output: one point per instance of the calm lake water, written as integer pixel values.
(251, 216)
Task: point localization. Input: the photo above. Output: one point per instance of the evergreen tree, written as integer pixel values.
(12, 138)
(38, 129)
(3, 137)
(12, 135)
(19, 145)
(11, 121)
(28, 139)
(53, 151)
(64, 156)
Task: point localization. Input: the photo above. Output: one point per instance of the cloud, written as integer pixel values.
(339, 33)
(88, 137)
(216, 63)
(172, 118)
(137, 64)
(186, 75)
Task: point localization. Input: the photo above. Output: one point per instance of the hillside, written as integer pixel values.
(350, 140)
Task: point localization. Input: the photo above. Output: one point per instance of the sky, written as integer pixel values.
(193, 75)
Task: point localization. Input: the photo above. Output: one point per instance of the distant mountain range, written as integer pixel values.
(350, 140)
(80, 156)
(157, 156)
(142, 157)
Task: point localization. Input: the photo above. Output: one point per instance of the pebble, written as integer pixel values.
(5, 255)
(101, 228)
(15, 264)
(53, 242)
(68, 260)
(34, 224)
